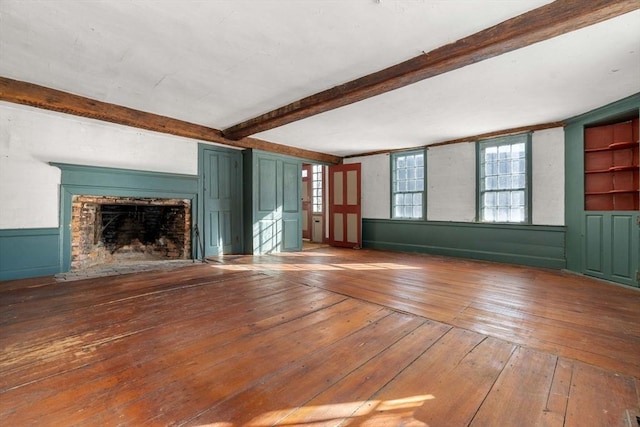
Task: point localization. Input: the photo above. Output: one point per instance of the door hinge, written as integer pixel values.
(638, 219)
(637, 276)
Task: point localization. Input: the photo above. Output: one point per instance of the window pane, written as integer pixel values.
(503, 182)
(518, 150)
(491, 183)
(517, 198)
(491, 168)
(490, 199)
(504, 167)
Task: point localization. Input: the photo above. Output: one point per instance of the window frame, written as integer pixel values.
(498, 141)
(393, 192)
(317, 189)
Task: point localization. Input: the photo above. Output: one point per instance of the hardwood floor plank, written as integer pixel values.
(558, 398)
(519, 396)
(338, 402)
(599, 397)
(68, 341)
(444, 386)
(269, 400)
(227, 370)
(131, 353)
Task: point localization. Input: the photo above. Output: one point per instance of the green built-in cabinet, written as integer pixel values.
(272, 203)
(601, 176)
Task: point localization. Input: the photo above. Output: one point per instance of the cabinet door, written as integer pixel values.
(221, 234)
(612, 246)
(277, 218)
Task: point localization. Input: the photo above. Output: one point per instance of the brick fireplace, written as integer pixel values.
(115, 230)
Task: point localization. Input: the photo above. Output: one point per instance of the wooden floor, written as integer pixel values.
(322, 337)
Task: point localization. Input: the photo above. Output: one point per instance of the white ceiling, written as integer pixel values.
(221, 62)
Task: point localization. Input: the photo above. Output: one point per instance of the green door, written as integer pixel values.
(276, 224)
(221, 178)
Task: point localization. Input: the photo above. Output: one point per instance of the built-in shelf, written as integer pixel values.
(611, 192)
(614, 146)
(611, 167)
(614, 169)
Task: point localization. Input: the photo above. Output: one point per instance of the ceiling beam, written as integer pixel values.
(25, 93)
(551, 20)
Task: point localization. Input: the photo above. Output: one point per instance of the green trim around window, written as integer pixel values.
(503, 140)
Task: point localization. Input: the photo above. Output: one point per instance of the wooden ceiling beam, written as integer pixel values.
(551, 20)
(25, 93)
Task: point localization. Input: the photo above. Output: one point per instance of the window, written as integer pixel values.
(316, 186)
(407, 184)
(504, 177)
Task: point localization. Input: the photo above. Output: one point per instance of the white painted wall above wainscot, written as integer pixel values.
(376, 185)
(547, 169)
(31, 138)
(451, 182)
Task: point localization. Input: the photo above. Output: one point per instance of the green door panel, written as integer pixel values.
(593, 244)
(621, 248)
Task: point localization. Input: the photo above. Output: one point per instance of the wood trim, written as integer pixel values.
(474, 138)
(20, 92)
(554, 19)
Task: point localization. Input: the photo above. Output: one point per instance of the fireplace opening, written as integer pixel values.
(115, 230)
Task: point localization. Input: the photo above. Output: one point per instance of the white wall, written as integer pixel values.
(547, 171)
(376, 185)
(451, 181)
(30, 138)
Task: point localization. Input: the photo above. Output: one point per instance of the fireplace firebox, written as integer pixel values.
(116, 230)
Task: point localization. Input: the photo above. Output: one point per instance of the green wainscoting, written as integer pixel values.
(29, 252)
(101, 181)
(539, 246)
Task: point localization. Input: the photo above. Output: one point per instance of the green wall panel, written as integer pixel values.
(541, 246)
(29, 253)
